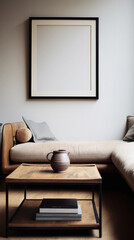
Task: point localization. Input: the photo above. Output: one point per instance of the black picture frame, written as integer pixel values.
(39, 25)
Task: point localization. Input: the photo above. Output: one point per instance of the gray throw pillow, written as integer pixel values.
(41, 131)
(130, 134)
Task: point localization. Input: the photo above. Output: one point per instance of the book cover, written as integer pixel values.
(74, 215)
(59, 216)
(59, 205)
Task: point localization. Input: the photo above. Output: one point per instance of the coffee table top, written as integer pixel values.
(39, 173)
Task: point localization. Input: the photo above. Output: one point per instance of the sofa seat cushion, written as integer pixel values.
(123, 159)
(80, 152)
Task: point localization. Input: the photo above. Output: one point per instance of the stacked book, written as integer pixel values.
(59, 209)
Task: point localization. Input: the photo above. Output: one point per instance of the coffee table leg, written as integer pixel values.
(93, 192)
(100, 210)
(25, 191)
(6, 210)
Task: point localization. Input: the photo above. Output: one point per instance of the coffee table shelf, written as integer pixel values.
(25, 216)
(39, 175)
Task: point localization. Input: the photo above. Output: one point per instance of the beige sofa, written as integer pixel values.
(107, 155)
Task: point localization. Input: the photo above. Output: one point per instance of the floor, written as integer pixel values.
(117, 210)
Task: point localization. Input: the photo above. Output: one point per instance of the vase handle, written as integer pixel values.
(48, 155)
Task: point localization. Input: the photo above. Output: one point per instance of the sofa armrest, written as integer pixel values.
(8, 136)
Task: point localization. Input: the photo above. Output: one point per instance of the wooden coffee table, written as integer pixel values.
(29, 174)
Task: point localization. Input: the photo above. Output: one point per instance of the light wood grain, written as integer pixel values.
(42, 174)
(26, 217)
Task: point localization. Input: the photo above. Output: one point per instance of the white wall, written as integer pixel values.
(70, 119)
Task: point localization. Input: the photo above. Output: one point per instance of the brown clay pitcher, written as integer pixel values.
(59, 160)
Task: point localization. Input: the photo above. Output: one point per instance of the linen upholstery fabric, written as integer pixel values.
(123, 159)
(80, 152)
(41, 131)
(130, 134)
